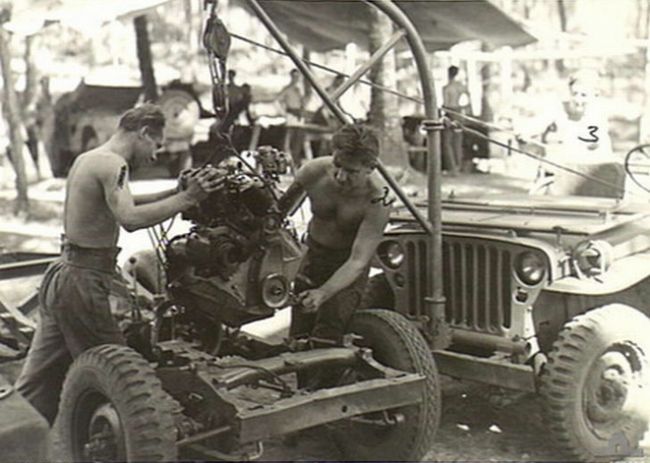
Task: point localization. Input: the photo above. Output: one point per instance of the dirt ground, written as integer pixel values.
(479, 423)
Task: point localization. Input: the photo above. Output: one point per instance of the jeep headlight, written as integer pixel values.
(530, 267)
(592, 257)
(391, 254)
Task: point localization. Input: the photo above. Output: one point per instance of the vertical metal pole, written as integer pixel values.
(435, 302)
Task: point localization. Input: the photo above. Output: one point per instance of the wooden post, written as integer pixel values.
(12, 115)
(505, 68)
(306, 87)
(473, 86)
(30, 72)
(145, 61)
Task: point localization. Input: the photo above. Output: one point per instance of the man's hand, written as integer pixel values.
(199, 183)
(312, 299)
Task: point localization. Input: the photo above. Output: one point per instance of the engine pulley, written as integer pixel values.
(275, 291)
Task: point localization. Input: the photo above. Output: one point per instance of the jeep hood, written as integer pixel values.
(577, 215)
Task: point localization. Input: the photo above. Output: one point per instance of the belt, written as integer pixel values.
(102, 259)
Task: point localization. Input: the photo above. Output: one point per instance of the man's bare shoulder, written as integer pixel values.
(377, 182)
(379, 191)
(314, 169)
(100, 163)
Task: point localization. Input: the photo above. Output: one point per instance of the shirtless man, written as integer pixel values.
(350, 210)
(291, 99)
(79, 290)
(455, 99)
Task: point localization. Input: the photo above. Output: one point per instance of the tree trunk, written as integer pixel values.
(145, 61)
(30, 72)
(384, 110)
(12, 115)
(487, 113)
(561, 9)
(190, 34)
(306, 86)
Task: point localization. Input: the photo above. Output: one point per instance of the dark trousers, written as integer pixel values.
(75, 297)
(331, 319)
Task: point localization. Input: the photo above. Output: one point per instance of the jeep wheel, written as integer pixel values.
(597, 361)
(378, 293)
(395, 343)
(113, 408)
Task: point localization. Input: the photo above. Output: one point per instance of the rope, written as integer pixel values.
(544, 160)
(494, 127)
(328, 69)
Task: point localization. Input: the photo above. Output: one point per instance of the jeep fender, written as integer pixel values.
(624, 273)
(557, 304)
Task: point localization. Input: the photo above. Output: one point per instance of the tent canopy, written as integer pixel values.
(323, 25)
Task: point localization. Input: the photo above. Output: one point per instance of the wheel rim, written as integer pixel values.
(611, 377)
(98, 430)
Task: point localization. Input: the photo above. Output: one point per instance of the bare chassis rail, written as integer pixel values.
(215, 385)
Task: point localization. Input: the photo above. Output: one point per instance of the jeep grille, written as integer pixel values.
(477, 283)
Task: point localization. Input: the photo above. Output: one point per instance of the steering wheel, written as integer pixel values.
(637, 166)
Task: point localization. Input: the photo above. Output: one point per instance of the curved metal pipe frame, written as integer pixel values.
(433, 226)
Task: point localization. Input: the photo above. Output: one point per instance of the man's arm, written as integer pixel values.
(365, 244)
(291, 198)
(146, 198)
(114, 179)
(464, 100)
(297, 191)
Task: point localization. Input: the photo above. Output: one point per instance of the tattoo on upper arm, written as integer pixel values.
(384, 199)
(121, 178)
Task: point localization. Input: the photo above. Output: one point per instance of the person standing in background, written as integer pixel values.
(576, 135)
(291, 99)
(455, 100)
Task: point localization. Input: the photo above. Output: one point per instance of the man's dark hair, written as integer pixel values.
(146, 115)
(357, 141)
(452, 72)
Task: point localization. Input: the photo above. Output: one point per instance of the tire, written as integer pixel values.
(398, 344)
(597, 361)
(378, 294)
(113, 390)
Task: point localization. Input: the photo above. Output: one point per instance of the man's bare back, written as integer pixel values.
(88, 221)
(99, 200)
